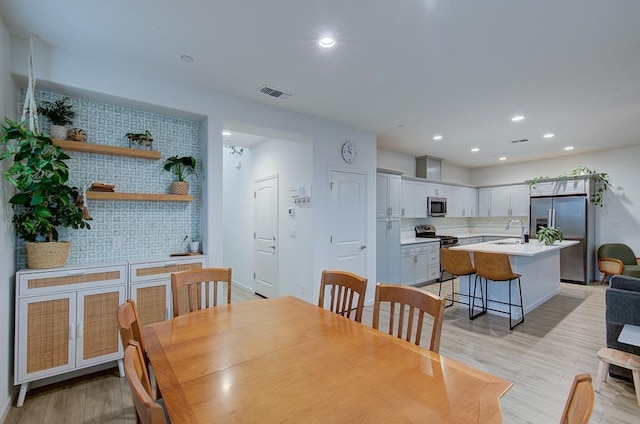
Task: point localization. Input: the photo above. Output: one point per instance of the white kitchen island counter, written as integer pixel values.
(538, 264)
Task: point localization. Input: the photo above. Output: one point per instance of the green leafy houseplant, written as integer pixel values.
(43, 202)
(58, 112)
(548, 235)
(600, 181)
(181, 167)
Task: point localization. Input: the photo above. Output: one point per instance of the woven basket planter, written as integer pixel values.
(48, 254)
(179, 187)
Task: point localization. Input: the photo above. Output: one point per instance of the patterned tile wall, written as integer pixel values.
(130, 230)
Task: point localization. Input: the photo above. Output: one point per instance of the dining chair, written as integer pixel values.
(418, 301)
(458, 264)
(127, 316)
(147, 411)
(191, 290)
(579, 404)
(344, 288)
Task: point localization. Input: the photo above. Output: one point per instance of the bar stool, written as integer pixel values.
(458, 264)
(496, 267)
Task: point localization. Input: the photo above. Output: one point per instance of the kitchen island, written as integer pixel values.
(538, 264)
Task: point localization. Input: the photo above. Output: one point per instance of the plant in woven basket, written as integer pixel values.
(548, 235)
(43, 202)
(182, 168)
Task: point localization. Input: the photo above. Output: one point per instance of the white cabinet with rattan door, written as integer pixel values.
(65, 320)
(150, 285)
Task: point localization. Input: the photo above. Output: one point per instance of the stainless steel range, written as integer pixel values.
(429, 231)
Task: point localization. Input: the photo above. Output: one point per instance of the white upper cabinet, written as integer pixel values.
(414, 199)
(504, 201)
(461, 201)
(520, 200)
(553, 188)
(435, 190)
(388, 195)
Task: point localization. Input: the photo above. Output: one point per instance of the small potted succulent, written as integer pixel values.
(549, 236)
(182, 168)
(60, 114)
(194, 245)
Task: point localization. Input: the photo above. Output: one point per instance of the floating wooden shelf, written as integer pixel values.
(107, 150)
(157, 197)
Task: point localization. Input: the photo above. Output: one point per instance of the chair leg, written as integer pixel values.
(472, 300)
(512, 326)
(636, 384)
(440, 289)
(603, 370)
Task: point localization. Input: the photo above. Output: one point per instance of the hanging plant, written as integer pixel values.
(600, 180)
(235, 150)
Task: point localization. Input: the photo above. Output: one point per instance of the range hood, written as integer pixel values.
(429, 167)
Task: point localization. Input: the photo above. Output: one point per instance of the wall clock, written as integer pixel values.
(349, 152)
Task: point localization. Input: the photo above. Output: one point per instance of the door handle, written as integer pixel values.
(364, 246)
(273, 247)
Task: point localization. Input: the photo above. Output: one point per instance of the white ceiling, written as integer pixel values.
(460, 68)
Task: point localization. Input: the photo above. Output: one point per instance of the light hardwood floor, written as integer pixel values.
(557, 341)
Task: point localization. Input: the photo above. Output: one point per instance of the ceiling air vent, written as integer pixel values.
(274, 92)
(523, 140)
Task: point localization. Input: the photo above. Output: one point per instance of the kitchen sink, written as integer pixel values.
(507, 242)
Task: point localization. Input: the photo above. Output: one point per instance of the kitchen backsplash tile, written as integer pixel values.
(141, 229)
(407, 224)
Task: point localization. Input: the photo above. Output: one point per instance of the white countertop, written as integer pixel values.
(416, 240)
(496, 234)
(510, 248)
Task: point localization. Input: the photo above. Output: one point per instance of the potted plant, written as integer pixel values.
(43, 202)
(143, 139)
(181, 168)
(548, 235)
(194, 245)
(60, 115)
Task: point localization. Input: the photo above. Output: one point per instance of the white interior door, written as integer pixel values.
(348, 229)
(266, 230)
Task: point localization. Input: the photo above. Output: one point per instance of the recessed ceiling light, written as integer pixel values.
(517, 118)
(326, 42)
(502, 158)
(226, 133)
(548, 135)
(475, 149)
(186, 58)
(437, 137)
(568, 148)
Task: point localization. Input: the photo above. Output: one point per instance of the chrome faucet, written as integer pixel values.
(513, 221)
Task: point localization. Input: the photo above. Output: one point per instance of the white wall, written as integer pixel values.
(401, 162)
(8, 102)
(119, 83)
(237, 216)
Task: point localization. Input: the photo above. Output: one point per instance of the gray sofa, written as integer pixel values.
(623, 307)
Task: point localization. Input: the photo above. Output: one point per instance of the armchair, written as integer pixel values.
(622, 307)
(617, 259)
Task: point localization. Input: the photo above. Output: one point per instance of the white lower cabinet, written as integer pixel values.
(66, 320)
(420, 262)
(150, 285)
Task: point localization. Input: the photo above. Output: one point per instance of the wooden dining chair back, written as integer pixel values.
(127, 316)
(418, 302)
(580, 401)
(196, 289)
(347, 293)
(147, 411)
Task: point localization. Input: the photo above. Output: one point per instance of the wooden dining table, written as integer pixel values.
(285, 360)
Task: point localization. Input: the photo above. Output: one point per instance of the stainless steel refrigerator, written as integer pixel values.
(575, 217)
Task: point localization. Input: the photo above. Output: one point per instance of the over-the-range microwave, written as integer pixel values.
(437, 206)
